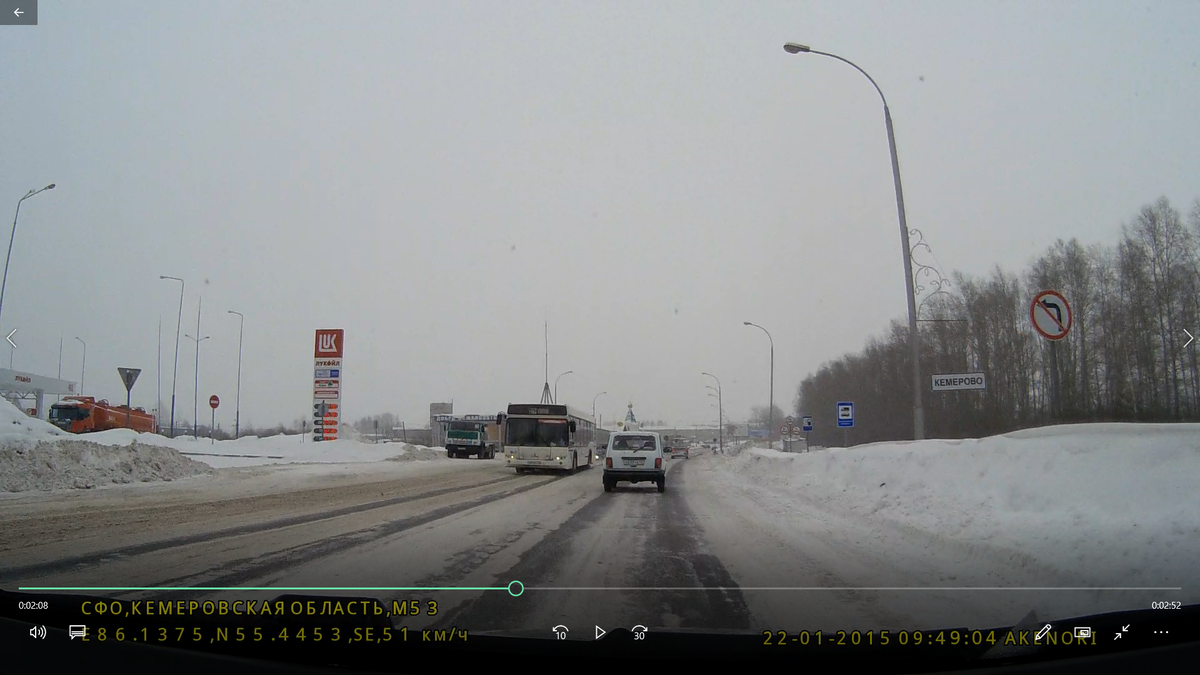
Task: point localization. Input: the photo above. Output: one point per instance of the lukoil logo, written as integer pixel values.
(327, 344)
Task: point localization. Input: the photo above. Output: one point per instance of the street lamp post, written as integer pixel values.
(175, 376)
(196, 381)
(720, 414)
(83, 368)
(918, 407)
(158, 377)
(196, 393)
(771, 399)
(556, 384)
(237, 416)
(594, 406)
(13, 236)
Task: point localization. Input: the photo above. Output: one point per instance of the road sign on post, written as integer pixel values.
(327, 383)
(845, 413)
(128, 376)
(807, 423)
(1051, 315)
(213, 402)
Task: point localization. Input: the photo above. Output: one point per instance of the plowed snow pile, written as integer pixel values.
(80, 464)
(36, 455)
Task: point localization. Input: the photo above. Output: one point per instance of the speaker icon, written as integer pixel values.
(38, 632)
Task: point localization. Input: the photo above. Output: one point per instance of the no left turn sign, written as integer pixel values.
(1051, 315)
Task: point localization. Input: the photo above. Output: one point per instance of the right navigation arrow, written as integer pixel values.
(600, 632)
(1190, 338)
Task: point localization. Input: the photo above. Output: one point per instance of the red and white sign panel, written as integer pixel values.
(329, 343)
(327, 382)
(213, 401)
(1051, 315)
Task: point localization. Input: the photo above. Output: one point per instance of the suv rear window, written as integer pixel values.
(633, 443)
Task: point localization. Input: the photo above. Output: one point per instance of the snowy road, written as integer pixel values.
(719, 549)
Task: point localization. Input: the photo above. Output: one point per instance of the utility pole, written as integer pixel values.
(175, 376)
(237, 418)
(196, 382)
(158, 374)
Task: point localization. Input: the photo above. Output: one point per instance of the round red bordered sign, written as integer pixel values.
(1051, 315)
(213, 401)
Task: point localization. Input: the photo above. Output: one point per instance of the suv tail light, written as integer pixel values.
(608, 462)
(658, 462)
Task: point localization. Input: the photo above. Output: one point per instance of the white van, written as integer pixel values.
(634, 456)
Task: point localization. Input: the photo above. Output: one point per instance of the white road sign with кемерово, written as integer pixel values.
(959, 381)
(327, 383)
(1051, 315)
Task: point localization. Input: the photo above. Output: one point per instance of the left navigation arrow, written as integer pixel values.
(9, 338)
(18, 11)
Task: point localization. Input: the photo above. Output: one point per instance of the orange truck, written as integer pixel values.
(84, 414)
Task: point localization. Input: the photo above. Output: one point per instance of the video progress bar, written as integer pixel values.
(853, 588)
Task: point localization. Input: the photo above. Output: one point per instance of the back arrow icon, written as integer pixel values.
(18, 12)
(1190, 338)
(9, 338)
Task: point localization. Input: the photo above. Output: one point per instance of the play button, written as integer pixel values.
(599, 632)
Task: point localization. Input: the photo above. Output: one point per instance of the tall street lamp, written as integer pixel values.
(918, 408)
(771, 401)
(720, 414)
(237, 416)
(83, 368)
(594, 406)
(556, 384)
(196, 393)
(175, 376)
(13, 236)
(196, 381)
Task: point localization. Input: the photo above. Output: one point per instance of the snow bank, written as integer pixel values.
(80, 464)
(1074, 495)
(19, 430)
(36, 455)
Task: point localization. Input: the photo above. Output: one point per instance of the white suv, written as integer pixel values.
(635, 456)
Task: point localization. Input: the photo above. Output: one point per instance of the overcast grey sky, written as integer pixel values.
(439, 178)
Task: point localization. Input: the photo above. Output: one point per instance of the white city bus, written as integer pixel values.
(545, 436)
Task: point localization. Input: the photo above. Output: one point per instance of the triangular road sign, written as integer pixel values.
(129, 376)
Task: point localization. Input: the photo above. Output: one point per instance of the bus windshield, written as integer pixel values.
(537, 432)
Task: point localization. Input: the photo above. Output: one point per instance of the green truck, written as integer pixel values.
(465, 438)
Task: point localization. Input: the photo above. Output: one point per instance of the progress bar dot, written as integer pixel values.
(520, 588)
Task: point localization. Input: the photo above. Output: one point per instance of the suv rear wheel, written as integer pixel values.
(662, 484)
(609, 485)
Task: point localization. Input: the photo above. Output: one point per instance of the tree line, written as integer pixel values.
(1126, 357)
